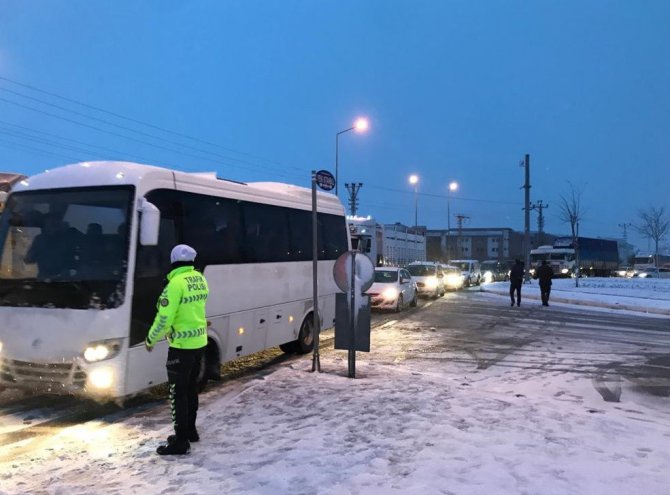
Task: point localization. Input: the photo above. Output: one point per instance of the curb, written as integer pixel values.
(597, 304)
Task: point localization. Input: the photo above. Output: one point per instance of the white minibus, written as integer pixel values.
(85, 248)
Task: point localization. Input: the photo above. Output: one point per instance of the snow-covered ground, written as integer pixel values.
(645, 295)
(403, 426)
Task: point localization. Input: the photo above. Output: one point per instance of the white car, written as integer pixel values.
(472, 274)
(654, 273)
(393, 288)
(428, 277)
(453, 278)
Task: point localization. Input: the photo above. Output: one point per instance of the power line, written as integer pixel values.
(129, 129)
(38, 150)
(444, 196)
(137, 121)
(154, 145)
(38, 132)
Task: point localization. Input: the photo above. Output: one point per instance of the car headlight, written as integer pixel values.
(564, 271)
(0, 346)
(431, 283)
(101, 350)
(454, 280)
(390, 293)
(643, 275)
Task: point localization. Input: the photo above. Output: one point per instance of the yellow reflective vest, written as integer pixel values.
(181, 310)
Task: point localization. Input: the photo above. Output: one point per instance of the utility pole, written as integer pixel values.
(625, 226)
(353, 189)
(459, 240)
(540, 220)
(526, 233)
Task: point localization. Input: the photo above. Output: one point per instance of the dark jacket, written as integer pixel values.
(516, 274)
(545, 274)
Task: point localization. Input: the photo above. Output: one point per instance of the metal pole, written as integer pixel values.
(448, 224)
(337, 161)
(416, 208)
(577, 260)
(337, 156)
(316, 361)
(526, 233)
(352, 319)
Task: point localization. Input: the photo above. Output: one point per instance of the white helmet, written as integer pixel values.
(182, 252)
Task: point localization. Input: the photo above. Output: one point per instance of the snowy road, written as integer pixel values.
(465, 395)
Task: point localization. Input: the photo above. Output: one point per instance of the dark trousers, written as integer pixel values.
(183, 366)
(515, 287)
(545, 290)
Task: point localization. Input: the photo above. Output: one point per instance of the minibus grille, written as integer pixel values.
(42, 374)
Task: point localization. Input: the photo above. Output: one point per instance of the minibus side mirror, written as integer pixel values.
(150, 219)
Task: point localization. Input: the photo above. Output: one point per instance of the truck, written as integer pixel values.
(649, 261)
(366, 236)
(386, 244)
(597, 257)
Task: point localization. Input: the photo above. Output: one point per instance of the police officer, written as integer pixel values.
(545, 274)
(181, 317)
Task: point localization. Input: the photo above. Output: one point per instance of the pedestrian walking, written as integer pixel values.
(515, 281)
(181, 318)
(545, 274)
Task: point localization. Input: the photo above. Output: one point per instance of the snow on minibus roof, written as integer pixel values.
(98, 173)
(85, 174)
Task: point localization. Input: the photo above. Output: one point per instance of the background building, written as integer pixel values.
(480, 243)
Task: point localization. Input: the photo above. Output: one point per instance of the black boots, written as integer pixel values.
(192, 437)
(178, 447)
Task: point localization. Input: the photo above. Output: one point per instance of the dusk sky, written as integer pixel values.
(454, 91)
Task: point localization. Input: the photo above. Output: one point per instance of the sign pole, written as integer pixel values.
(316, 360)
(352, 319)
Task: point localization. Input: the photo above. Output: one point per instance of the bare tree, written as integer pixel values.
(571, 211)
(654, 225)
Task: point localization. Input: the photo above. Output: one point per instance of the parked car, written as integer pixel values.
(494, 271)
(654, 273)
(428, 278)
(393, 288)
(472, 274)
(453, 277)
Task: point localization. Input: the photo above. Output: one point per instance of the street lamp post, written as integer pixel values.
(414, 180)
(453, 186)
(361, 125)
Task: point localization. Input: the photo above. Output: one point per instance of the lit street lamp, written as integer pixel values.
(361, 125)
(453, 186)
(414, 180)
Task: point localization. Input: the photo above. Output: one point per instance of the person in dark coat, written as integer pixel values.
(515, 281)
(545, 274)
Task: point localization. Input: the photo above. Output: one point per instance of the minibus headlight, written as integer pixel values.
(101, 350)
